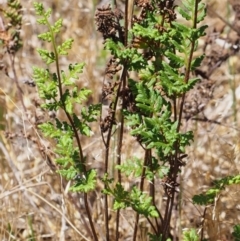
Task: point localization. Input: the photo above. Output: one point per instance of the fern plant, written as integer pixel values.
(60, 92)
(155, 54)
(159, 50)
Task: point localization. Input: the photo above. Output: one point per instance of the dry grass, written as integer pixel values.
(32, 200)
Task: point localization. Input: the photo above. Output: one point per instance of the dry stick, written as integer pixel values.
(15, 78)
(202, 223)
(85, 171)
(152, 189)
(105, 185)
(107, 148)
(20, 92)
(119, 151)
(85, 195)
(178, 198)
(166, 217)
(74, 199)
(151, 224)
(210, 9)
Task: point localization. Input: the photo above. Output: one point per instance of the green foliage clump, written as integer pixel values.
(60, 92)
(159, 50)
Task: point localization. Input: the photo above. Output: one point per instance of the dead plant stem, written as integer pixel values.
(119, 146)
(107, 148)
(123, 80)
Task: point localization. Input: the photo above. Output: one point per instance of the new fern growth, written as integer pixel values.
(60, 92)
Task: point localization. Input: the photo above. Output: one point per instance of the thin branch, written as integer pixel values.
(188, 68)
(141, 189)
(202, 223)
(119, 146)
(123, 80)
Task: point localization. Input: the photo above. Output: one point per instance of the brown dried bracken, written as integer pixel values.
(108, 24)
(167, 10)
(108, 121)
(146, 6)
(128, 99)
(108, 90)
(169, 186)
(142, 3)
(112, 68)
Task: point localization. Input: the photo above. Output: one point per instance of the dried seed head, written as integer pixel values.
(107, 22)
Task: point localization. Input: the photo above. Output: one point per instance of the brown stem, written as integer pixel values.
(123, 80)
(119, 151)
(165, 224)
(135, 227)
(107, 148)
(152, 189)
(90, 217)
(152, 226)
(120, 142)
(141, 188)
(202, 223)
